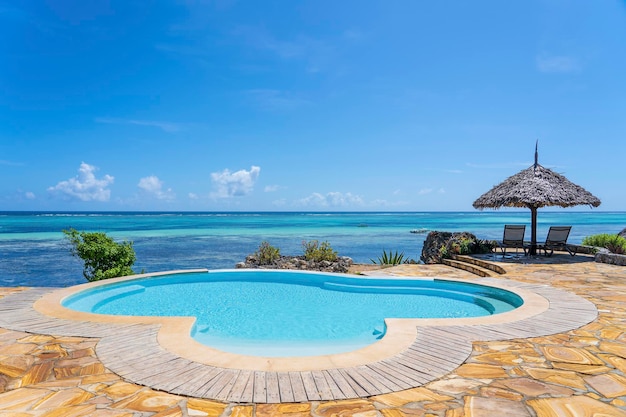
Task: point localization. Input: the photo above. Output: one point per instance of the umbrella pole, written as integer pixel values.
(533, 230)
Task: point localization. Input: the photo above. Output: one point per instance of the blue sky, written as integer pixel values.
(305, 105)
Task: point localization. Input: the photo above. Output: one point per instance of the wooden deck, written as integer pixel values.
(133, 352)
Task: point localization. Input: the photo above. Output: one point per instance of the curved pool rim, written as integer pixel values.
(174, 334)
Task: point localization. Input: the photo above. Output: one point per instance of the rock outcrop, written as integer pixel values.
(342, 264)
(622, 233)
(439, 245)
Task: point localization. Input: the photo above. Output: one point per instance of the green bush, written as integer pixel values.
(389, 258)
(267, 254)
(613, 243)
(103, 258)
(315, 251)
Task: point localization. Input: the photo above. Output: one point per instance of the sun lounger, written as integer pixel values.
(513, 238)
(557, 240)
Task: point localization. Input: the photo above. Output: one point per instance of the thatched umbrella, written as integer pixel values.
(536, 187)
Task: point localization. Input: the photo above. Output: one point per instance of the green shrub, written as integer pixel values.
(267, 254)
(389, 258)
(613, 243)
(103, 258)
(315, 251)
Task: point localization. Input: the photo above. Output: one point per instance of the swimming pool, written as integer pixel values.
(287, 313)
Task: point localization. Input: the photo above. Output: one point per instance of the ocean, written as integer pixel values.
(34, 252)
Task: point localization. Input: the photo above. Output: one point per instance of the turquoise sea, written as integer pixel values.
(33, 251)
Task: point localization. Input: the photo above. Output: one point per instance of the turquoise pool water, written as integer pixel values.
(288, 313)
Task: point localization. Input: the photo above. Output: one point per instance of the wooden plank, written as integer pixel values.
(297, 387)
(336, 392)
(284, 386)
(226, 378)
(322, 385)
(273, 389)
(248, 393)
(363, 382)
(224, 393)
(309, 386)
(260, 390)
(378, 380)
(238, 389)
(358, 389)
(342, 383)
(412, 375)
(399, 381)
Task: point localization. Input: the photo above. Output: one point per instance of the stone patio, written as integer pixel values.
(577, 373)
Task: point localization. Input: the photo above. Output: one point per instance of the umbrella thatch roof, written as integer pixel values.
(533, 188)
(537, 187)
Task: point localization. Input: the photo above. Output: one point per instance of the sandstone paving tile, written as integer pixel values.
(495, 392)
(618, 349)
(85, 410)
(37, 373)
(22, 398)
(101, 412)
(494, 407)
(242, 411)
(583, 369)
(15, 366)
(283, 410)
(533, 388)
(120, 390)
(577, 406)
(563, 354)
(148, 401)
(172, 412)
(498, 358)
(565, 378)
(455, 386)
(616, 361)
(67, 397)
(60, 383)
(481, 371)
(345, 408)
(609, 385)
(414, 395)
(402, 412)
(102, 377)
(208, 408)
(17, 348)
(36, 338)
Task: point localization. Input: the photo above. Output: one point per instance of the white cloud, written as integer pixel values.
(235, 184)
(425, 191)
(272, 188)
(556, 64)
(85, 186)
(193, 196)
(332, 199)
(153, 185)
(29, 195)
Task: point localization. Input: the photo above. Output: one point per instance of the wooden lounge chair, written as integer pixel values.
(557, 240)
(513, 238)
